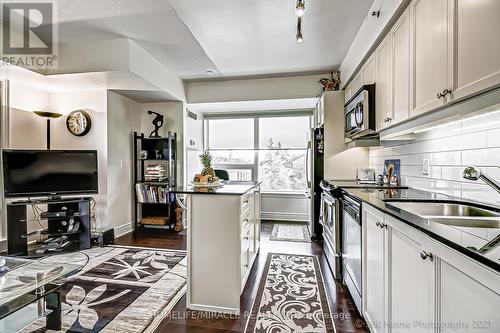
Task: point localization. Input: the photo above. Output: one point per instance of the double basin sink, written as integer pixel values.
(455, 214)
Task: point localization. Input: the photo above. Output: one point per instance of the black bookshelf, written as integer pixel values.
(155, 172)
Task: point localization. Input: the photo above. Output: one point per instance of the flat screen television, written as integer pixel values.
(35, 173)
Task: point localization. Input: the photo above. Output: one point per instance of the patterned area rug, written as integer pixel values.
(290, 233)
(291, 297)
(121, 290)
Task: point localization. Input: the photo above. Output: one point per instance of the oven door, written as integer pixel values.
(331, 233)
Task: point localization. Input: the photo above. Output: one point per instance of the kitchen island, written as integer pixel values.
(223, 239)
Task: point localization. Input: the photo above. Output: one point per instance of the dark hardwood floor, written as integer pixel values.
(346, 317)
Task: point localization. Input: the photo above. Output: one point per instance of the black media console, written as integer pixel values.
(67, 219)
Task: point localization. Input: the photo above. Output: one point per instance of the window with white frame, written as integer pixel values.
(268, 148)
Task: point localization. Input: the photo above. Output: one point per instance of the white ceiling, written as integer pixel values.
(258, 37)
(229, 37)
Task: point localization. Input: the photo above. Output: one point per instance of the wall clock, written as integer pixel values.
(78, 122)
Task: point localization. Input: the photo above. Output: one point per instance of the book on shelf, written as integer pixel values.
(155, 173)
(151, 194)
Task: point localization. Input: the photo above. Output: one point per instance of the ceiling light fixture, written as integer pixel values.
(300, 7)
(299, 31)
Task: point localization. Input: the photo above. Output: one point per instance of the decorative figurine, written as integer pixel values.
(157, 123)
(331, 84)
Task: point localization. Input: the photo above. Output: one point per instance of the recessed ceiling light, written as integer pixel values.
(300, 7)
(209, 72)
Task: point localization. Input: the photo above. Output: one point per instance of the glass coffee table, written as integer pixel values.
(33, 283)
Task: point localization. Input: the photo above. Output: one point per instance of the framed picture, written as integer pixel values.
(392, 172)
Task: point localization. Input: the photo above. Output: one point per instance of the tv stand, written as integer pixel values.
(77, 211)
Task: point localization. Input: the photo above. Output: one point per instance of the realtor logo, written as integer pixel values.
(29, 35)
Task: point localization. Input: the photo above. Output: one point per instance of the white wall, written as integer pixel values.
(123, 118)
(173, 113)
(254, 89)
(193, 140)
(338, 162)
(450, 149)
(94, 102)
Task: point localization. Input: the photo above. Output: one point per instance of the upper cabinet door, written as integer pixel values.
(348, 92)
(477, 48)
(356, 83)
(431, 59)
(369, 71)
(401, 68)
(383, 88)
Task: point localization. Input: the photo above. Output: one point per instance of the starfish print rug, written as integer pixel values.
(120, 289)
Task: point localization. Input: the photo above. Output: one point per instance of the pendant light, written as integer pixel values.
(299, 31)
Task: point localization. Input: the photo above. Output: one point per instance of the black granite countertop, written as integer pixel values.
(462, 239)
(229, 188)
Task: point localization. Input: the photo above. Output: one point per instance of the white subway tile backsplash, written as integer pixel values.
(446, 158)
(493, 138)
(449, 149)
(481, 157)
(465, 141)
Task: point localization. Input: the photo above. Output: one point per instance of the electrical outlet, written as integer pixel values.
(425, 167)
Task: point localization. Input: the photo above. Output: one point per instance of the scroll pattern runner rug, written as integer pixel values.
(291, 297)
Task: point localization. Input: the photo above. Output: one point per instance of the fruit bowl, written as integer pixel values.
(205, 184)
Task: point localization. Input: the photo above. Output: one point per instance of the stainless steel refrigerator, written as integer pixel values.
(314, 172)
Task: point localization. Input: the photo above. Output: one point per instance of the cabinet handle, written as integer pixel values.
(424, 255)
(378, 224)
(387, 120)
(444, 93)
(246, 238)
(245, 265)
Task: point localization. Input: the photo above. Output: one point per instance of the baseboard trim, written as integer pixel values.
(284, 216)
(210, 308)
(3, 245)
(124, 229)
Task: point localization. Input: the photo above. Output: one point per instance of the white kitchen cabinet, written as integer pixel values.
(431, 54)
(348, 93)
(400, 34)
(467, 292)
(411, 289)
(477, 48)
(374, 266)
(413, 283)
(356, 83)
(369, 71)
(383, 87)
(222, 245)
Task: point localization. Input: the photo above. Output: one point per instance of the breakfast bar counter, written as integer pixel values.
(223, 239)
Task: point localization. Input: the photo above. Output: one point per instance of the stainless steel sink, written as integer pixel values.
(451, 213)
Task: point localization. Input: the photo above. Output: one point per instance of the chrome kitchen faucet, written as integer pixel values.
(473, 173)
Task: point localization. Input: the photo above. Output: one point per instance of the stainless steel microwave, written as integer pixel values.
(360, 113)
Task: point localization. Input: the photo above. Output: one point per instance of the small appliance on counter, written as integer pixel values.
(366, 175)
